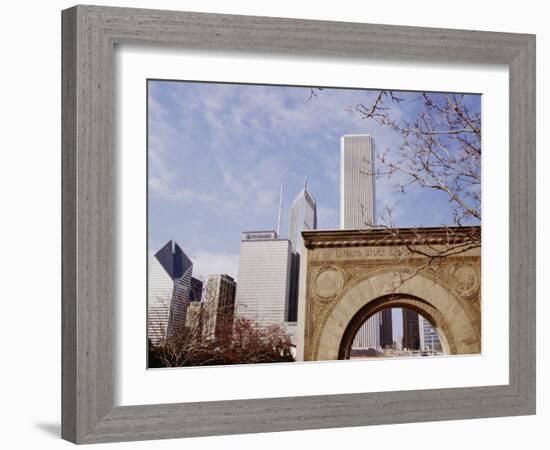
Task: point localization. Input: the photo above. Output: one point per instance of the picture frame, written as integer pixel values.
(89, 36)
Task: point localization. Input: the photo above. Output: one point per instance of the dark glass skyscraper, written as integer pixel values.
(386, 329)
(195, 293)
(411, 333)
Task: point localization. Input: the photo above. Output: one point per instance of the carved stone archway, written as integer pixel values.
(351, 275)
(397, 301)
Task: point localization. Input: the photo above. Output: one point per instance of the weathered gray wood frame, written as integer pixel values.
(89, 36)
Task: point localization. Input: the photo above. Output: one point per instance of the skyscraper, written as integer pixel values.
(219, 304)
(168, 292)
(195, 293)
(303, 216)
(368, 336)
(264, 278)
(356, 182)
(429, 338)
(357, 208)
(411, 333)
(386, 328)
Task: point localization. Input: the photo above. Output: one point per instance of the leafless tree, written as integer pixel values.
(440, 150)
(208, 341)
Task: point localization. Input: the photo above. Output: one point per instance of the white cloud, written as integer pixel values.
(222, 152)
(208, 263)
(163, 183)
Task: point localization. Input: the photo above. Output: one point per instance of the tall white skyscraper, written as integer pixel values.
(356, 182)
(303, 216)
(357, 209)
(368, 335)
(264, 278)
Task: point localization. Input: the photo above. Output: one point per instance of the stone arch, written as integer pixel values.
(397, 301)
(421, 292)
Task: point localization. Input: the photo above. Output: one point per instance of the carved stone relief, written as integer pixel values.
(465, 280)
(329, 282)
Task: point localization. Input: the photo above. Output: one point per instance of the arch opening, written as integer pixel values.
(331, 335)
(396, 326)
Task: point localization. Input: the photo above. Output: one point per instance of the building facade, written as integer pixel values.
(411, 331)
(303, 216)
(169, 285)
(219, 305)
(159, 296)
(264, 278)
(356, 182)
(386, 328)
(357, 209)
(428, 336)
(195, 293)
(194, 319)
(368, 336)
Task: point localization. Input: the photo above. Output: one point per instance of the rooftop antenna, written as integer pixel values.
(305, 182)
(280, 210)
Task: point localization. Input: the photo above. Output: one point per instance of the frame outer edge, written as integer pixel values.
(522, 181)
(88, 265)
(69, 33)
(89, 415)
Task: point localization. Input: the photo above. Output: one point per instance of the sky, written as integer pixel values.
(218, 154)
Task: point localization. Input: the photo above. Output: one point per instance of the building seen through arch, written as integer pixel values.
(403, 332)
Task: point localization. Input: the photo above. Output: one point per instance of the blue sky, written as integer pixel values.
(218, 154)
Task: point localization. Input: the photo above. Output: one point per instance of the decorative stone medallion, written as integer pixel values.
(465, 280)
(329, 282)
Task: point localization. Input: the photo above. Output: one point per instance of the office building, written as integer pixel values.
(429, 338)
(368, 336)
(386, 328)
(168, 292)
(219, 305)
(411, 332)
(399, 343)
(356, 182)
(264, 278)
(303, 216)
(357, 207)
(194, 319)
(195, 293)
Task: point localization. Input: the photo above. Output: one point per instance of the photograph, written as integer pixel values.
(305, 223)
